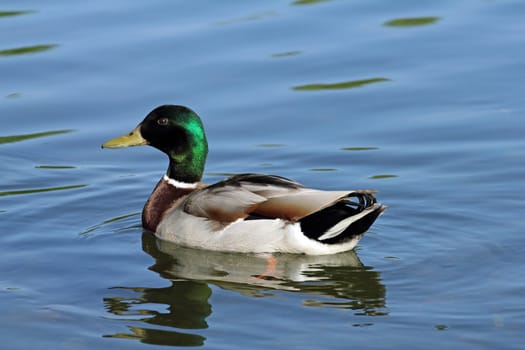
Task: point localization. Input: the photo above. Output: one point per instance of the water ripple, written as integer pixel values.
(412, 22)
(27, 50)
(40, 190)
(14, 13)
(339, 86)
(23, 137)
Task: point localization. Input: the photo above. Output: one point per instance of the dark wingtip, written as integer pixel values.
(315, 225)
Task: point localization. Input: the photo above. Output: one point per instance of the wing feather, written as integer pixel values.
(224, 204)
(264, 195)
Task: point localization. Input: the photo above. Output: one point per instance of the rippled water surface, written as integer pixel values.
(420, 100)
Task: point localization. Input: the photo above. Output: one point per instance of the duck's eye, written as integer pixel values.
(162, 121)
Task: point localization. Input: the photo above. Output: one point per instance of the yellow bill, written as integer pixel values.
(134, 138)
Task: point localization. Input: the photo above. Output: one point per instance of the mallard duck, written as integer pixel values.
(249, 213)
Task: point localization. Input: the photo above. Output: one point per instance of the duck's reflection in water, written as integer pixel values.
(339, 281)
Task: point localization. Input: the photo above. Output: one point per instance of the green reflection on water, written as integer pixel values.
(323, 169)
(27, 50)
(441, 327)
(14, 13)
(248, 18)
(40, 190)
(383, 176)
(339, 86)
(411, 22)
(359, 148)
(14, 95)
(286, 54)
(23, 137)
(55, 167)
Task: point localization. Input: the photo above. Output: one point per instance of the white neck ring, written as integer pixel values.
(179, 184)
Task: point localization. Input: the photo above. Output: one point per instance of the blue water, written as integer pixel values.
(419, 100)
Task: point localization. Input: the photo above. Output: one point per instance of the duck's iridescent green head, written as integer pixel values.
(176, 131)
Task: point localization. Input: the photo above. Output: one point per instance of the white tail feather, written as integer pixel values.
(338, 228)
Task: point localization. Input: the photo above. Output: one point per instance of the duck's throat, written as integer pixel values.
(186, 170)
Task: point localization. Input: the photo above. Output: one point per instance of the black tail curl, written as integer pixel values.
(318, 223)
